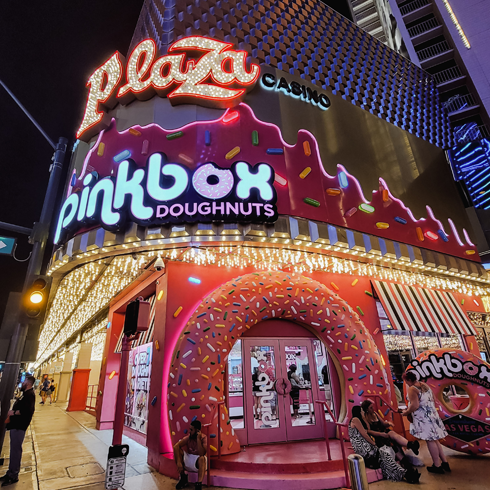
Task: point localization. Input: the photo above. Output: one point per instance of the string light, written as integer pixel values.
(456, 23)
(87, 290)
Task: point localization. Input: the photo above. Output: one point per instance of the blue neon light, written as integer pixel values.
(194, 280)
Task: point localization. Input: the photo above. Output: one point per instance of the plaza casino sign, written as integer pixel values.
(234, 168)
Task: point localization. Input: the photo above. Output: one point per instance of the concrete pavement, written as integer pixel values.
(64, 451)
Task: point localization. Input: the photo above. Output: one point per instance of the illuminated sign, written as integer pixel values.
(295, 90)
(166, 192)
(208, 72)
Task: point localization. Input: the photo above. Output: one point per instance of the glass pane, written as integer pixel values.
(423, 343)
(400, 350)
(235, 386)
(452, 342)
(480, 338)
(323, 374)
(301, 396)
(263, 367)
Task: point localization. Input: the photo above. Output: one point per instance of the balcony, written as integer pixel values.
(461, 106)
(415, 10)
(470, 132)
(449, 79)
(424, 31)
(433, 55)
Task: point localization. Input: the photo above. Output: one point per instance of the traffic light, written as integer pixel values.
(35, 300)
(137, 317)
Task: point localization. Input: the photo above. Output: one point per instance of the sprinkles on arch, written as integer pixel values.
(196, 378)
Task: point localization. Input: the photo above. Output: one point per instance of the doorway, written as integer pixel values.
(281, 386)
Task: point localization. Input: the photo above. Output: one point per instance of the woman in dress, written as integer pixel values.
(364, 445)
(426, 424)
(383, 433)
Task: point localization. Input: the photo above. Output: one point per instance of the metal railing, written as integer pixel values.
(369, 12)
(447, 75)
(382, 402)
(431, 51)
(411, 7)
(423, 27)
(473, 133)
(458, 103)
(341, 437)
(91, 397)
(206, 430)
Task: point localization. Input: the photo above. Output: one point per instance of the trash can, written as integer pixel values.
(357, 472)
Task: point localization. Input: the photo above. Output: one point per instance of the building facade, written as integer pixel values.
(282, 162)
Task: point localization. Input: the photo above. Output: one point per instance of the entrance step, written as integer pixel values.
(294, 481)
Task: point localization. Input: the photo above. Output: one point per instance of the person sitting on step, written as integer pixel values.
(190, 454)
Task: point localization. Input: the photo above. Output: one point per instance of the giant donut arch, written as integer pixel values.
(196, 381)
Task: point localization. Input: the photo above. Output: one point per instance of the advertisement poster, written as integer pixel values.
(138, 388)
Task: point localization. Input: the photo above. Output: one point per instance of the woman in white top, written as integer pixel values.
(426, 424)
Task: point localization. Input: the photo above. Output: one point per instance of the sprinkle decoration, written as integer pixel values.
(305, 173)
(124, 155)
(239, 305)
(100, 149)
(311, 202)
(232, 153)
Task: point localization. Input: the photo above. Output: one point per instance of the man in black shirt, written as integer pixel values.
(20, 418)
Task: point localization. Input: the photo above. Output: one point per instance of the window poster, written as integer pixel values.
(138, 388)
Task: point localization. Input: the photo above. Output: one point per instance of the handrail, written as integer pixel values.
(434, 50)
(423, 27)
(447, 75)
(342, 443)
(389, 407)
(411, 7)
(219, 428)
(458, 103)
(91, 397)
(208, 454)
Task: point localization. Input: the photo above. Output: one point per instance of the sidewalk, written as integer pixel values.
(63, 450)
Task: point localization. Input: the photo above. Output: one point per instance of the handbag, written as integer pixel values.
(410, 418)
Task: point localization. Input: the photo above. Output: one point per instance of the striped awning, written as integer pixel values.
(145, 337)
(422, 310)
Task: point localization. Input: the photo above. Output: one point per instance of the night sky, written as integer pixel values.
(48, 50)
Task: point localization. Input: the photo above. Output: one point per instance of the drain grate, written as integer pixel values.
(82, 470)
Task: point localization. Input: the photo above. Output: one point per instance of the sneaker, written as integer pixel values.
(435, 469)
(445, 467)
(182, 482)
(41, 403)
(414, 446)
(9, 481)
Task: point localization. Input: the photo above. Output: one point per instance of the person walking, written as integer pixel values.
(50, 392)
(426, 423)
(44, 390)
(19, 419)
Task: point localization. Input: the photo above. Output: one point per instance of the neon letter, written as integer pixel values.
(155, 170)
(131, 186)
(102, 83)
(67, 215)
(259, 180)
(108, 217)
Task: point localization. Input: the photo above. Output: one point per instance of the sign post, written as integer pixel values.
(115, 474)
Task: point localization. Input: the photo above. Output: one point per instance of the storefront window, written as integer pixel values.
(482, 345)
(235, 386)
(425, 342)
(138, 388)
(400, 353)
(452, 342)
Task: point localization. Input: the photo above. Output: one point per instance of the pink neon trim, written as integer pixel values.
(467, 238)
(455, 232)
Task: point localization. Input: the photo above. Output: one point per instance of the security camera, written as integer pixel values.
(159, 264)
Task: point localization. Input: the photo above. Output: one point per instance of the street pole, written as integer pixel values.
(40, 238)
(121, 390)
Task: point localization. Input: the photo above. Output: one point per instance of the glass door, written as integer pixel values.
(303, 415)
(265, 415)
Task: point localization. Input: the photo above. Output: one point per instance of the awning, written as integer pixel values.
(422, 310)
(145, 337)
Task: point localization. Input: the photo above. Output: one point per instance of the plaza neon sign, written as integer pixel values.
(209, 72)
(166, 192)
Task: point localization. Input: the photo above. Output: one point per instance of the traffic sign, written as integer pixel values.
(7, 245)
(115, 474)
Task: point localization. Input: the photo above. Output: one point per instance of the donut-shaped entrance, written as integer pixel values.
(196, 381)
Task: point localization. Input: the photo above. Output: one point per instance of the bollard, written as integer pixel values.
(357, 471)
